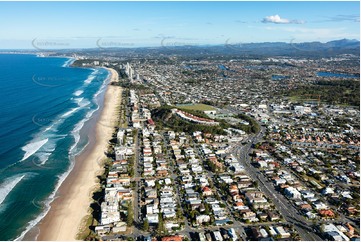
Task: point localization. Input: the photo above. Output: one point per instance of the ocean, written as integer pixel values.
(46, 109)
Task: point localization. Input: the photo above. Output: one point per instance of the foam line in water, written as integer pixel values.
(78, 100)
(71, 111)
(36, 144)
(83, 103)
(50, 127)
(7, 186)
(50, 199)
(32, 147)
(89, 79)
(68, 62)
(72, 153)
(78, 93)
(44, 153)
(103, 86)
(76, 132)
(92, 76)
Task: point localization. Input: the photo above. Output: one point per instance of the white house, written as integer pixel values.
(292, 193)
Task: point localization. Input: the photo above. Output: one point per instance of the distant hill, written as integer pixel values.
(265, 49)
(344, 43)
(246, 50)
(314, 49)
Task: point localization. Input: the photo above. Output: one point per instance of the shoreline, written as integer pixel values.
(74, 196)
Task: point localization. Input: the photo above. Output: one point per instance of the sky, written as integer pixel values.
(59, 25)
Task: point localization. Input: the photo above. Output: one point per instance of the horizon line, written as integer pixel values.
(129, 46)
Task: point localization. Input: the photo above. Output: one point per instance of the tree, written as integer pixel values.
(130, 215)
(179, 213)
(160, 227)
(145, 225)
(193, 214)
(206, 208)
(157, 185)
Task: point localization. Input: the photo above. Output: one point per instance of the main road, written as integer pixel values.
(290, 214)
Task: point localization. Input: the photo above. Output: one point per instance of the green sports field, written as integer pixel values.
(199, 107)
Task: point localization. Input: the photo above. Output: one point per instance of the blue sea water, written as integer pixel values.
(44, 107)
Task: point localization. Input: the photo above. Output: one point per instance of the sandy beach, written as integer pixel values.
(74, 196)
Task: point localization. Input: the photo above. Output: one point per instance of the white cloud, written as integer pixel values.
(276, 19)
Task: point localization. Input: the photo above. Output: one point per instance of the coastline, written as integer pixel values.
(63, 220)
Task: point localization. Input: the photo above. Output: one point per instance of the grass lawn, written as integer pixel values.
(199, 107)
